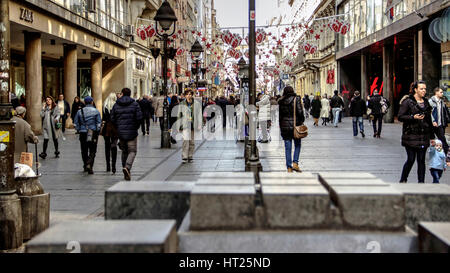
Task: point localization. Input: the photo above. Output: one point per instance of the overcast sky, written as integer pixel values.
(234, 13)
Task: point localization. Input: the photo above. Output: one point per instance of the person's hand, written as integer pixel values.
(420, 117)
(433, 143)
(35, 140)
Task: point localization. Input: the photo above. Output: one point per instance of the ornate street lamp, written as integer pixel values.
(196, 50)
(165, 17)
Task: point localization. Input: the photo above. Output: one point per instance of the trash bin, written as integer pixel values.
(35, 206)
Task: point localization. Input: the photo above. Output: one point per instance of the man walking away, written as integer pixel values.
(190, 117)
(146, 109)
(376, 105)
(337, 104)
(357, 110)
(126, 115)
(88, 123)
(439, 116)
(64, 109)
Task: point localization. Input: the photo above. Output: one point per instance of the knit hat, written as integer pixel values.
(437, 141)
(88, 99)
(20, 110)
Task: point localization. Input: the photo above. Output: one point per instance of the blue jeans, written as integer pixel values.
(357, 120)
(436, 174)
(288, 151)
(336, 112)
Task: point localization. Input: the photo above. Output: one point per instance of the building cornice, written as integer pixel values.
(71, 18)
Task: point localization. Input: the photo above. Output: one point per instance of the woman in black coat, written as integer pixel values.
(286, 108)
(415, 113)
(172, 119)
(316, 106)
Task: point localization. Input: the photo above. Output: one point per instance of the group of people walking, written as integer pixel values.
(423, 120)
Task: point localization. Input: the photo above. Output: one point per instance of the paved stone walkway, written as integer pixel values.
(76, 195)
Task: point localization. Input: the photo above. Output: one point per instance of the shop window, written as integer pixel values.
(363, 19)
(370, 17)
(84, 82)
(19, 81)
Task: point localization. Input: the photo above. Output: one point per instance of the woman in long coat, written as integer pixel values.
(316, 105)
(325, 110)
(286, 122)
(50, 116)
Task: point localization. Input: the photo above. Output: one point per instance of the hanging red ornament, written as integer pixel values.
(203, 39)
(174, 36)
(279, 42)
(317, 36)
(311, 31)
(345, 28)
(208, 45)
(287, 29)
(283, 35)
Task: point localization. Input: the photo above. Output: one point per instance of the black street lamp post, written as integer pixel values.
(196, 50)
(165, 17)
(253, 163)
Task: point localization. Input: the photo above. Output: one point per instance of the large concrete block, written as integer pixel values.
(148, 200)
(434, 237)
(330, 182)
(284, 175)
(371, 208)
(114, 236)
(290, 182)
(346, 175)
(425, 202)
(225, 181)
(295, 241)
(231, 175)
(294, 207)
(222, 207)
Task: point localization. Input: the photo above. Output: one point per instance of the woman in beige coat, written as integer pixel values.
(325, 110)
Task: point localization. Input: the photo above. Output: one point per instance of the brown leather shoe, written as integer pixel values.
(289, 170)
(296, 168)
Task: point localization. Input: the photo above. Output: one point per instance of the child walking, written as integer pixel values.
(437, 160)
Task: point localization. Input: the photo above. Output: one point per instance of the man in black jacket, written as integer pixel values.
(126, 115)
(357, 110)
(337, 104)
(439, 116)
(375, 103)
(146, 106)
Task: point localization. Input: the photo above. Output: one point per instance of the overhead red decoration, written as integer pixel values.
(317, 36)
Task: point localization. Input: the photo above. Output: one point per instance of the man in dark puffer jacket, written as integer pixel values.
(126, 115)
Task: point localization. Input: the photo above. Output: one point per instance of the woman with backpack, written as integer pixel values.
(50, 125)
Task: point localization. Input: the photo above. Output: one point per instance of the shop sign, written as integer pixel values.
(140, 64)
(183, 79)
(26, 15)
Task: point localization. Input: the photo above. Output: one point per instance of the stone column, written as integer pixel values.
(364, 85)
(70, 77)
(96, 79)
(33, 80)
(388, 88)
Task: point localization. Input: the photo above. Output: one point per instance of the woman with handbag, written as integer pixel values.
(291, 118)
(50, 125)
(110, 135)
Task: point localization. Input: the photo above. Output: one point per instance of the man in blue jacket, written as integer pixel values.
(88, 123)
(126, 115)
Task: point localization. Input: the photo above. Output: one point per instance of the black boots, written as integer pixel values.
(114, 158)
